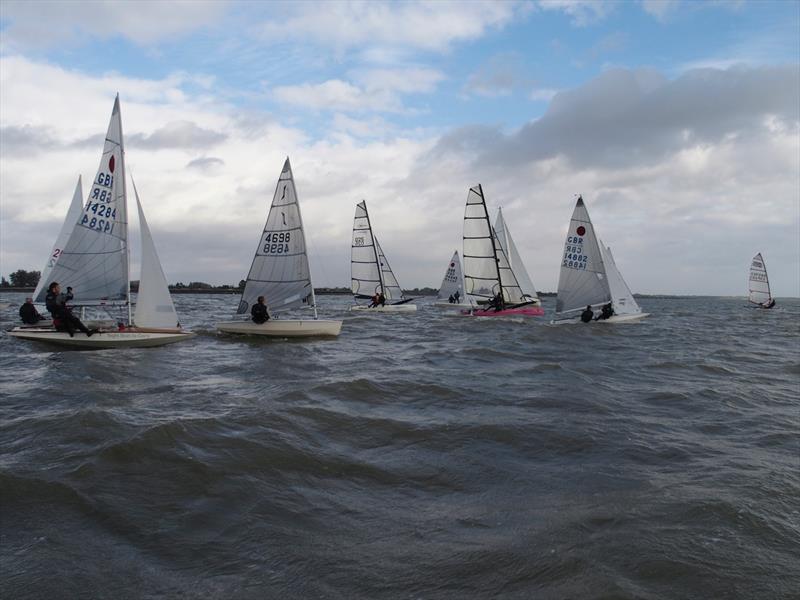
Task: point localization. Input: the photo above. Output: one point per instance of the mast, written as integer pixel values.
(492, 235)
(125, 204)
(303, 231)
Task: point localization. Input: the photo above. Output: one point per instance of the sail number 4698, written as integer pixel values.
(276, 243)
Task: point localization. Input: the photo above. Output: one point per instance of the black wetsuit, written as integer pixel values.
(587, 315)
(63, 319)
(259, 313)
(29, 314)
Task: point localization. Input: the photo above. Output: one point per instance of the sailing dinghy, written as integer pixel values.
(487, 272)
(280, 272)
(589, 276)
(760, 293)
(94, 262)
(451, 292)
(514, 259)
(370, 272)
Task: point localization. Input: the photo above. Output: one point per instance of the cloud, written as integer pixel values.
(178, 134)
(208, 165)
(431, 26)
(501, 75)
(47, 23)
(660, 9)
(582, 12)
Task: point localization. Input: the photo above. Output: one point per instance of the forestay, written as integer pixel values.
(453, 281)
(582, 280)
(94, 261)
(486, 268)
(621, 296)
(514, 259)
(73, 214)
(154, 307)
(280, 269)
(759, 282)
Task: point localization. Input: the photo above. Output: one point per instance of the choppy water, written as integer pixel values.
(422, 456)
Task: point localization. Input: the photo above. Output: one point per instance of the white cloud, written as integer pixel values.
(582, 12)
(47, 23)
(660, 9)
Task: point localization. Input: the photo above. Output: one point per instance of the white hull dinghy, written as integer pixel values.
(91, 255)
(589, 277)
(280, 272)
(370, 272)
(453, 287)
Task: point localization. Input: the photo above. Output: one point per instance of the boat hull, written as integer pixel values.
(282, 328)
(129, 338)
(631, 318)
(453, 305)
(523, 311)
(396, 308)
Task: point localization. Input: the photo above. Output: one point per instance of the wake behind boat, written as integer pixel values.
(589, 277)
(94, 261)
(371, 276)
(280, 272)
(489, 280)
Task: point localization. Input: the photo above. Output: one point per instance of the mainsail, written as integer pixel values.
(759, 282)
(73, 214)
(453, 281)
(621, 296)
(486, 268)
(582, 280)
(370, 272)
(514, 259)
(280, 269)
(154, 307)
(94, 261)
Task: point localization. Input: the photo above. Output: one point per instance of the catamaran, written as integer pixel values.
(490, 282)
(451, 293)
(370, 272)
(94, 262)
(760, 293)
(589, 276)
(280, 272)
(515, 260)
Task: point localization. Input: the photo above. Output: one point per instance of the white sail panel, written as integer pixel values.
(94, 261)
(514, 259)
(622, 298)
(280, 269)
(365, 275)
(154, 307)
(453, 280)
(758, 281)
(391, 287)
(73, 214)
(582, 280)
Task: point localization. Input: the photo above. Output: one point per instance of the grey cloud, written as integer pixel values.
(634, 117)
(177, 134)
(207, 165)
(26, 140)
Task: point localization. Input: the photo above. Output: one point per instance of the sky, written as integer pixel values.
(677, 121)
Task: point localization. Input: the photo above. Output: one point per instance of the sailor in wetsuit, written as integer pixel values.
(260, 311)
(63, 319)
(28, 313)
(607, 312)
(588, 314)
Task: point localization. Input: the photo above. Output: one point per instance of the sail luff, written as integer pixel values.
(305, 245)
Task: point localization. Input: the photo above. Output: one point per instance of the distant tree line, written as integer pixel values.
(21, 279)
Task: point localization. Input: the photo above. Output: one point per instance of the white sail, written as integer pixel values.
(94, 261)
(582, 280)
(487, 271)
(453, 281)
(370, 272)
(514, 259)
(73, 214)
(759, 282)
(280, 269)
(154, 307)
(622, 298)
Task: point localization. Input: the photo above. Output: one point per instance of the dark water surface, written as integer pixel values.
(421, 456)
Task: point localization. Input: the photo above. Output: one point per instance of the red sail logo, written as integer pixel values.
(580, 230)
(111, 164)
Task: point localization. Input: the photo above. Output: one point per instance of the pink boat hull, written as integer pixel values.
(522, 311)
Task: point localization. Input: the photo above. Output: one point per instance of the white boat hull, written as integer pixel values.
(283, 328)
(631, 318)
(130, 338)
(445, 304)
(387, 308)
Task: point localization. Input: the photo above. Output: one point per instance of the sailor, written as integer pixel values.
(497, 302)
(381, 299)
(451, 299)
(260, 311)
(374, 300)
(588, 314)
(769, 303)
(63, 319)
(607, 312)
(457, 297)
(28, 313)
